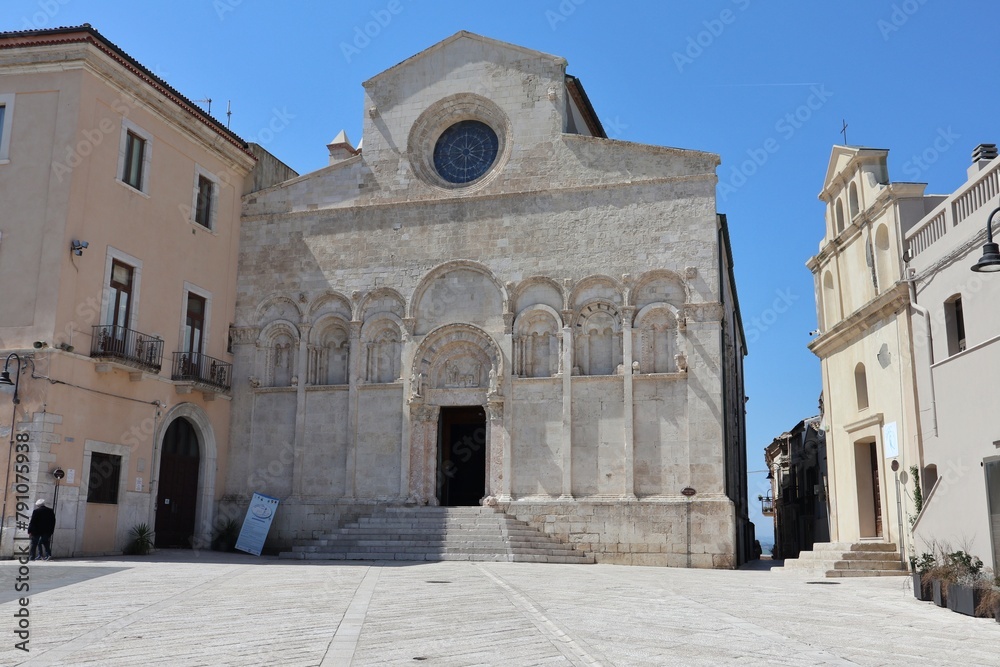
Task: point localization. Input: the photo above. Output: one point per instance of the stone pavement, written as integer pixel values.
(196, 608)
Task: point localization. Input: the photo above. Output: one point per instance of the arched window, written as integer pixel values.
(829, 301)
(840, 216)
(861, 386)
(853, 200)
(883, 261)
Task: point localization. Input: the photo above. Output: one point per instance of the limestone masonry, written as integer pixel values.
(489, 302)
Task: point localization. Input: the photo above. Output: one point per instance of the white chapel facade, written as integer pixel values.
(492, 303)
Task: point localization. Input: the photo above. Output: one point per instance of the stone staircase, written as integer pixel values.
(437, 534)
(846, 559)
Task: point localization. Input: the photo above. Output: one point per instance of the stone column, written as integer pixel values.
(299, 378)
(628, 313)
(423, 438)
(408, 348)
(566, 450)
(497, 451)
(354, 360)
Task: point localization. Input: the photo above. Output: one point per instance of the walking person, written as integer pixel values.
(40, 529)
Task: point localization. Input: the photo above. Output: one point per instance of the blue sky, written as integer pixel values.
(764, 84)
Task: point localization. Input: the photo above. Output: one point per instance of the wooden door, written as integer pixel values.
(876, 492)
(177, 495)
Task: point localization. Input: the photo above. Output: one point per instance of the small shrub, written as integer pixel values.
(225, 535)
(141, 542)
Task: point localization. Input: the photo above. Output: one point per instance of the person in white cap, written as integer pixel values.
(40, 529)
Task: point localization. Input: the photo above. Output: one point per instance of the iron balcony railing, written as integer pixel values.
(128, 347)
(203, 369)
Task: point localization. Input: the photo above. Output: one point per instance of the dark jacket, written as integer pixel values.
(43, 521)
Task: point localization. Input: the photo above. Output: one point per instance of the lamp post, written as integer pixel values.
(990, 261)
(6, 381)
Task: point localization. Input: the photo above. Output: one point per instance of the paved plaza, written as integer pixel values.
(196, 608)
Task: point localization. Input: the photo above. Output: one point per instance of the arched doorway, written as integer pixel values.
(177, 498)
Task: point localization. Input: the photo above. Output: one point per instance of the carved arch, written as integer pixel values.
(451, 341)
(277, 353)
(600, 288)
(660, 285)
(329, 354)
(659, 338)
(382, 348)
(331, 302)
(368, 303)
(537, 342)
(446, 305)
(598, 338)
(518, 295)
(272, 301)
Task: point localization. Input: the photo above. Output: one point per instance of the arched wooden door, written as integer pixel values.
(177, 498)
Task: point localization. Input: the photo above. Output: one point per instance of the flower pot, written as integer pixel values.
(918, 589)
(940, 593)
(962, 599)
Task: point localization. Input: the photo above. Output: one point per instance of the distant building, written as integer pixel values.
(118, 244)
(796, 461)
(865, 343)
(956, 330)
(492, 302)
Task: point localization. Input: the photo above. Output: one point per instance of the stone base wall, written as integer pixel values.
(640, 532)
(656, 532)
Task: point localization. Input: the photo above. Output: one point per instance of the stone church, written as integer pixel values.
(489, 302)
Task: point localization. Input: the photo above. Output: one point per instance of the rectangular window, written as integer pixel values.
(135, 147)
(105, 471)
(203, 204)
(6, 119)
(954, 320)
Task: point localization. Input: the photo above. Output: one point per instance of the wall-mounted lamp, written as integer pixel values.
(990, 261)
(77, 247)
(6, 381)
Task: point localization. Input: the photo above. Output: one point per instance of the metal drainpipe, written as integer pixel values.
(930, 348)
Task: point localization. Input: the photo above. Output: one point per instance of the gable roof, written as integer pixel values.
(464, 34)
(837, 162)
(85, 33)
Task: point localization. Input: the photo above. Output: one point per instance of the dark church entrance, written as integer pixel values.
(177, 498)
(461, 456)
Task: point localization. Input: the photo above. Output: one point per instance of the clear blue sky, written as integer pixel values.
(736, 77)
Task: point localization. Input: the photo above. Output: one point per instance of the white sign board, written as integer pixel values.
(890, 440)
(256, 524)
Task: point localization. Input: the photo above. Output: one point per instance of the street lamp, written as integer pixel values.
(5, 377)
(990, 261)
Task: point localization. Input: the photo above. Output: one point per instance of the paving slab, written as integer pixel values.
(203, 608)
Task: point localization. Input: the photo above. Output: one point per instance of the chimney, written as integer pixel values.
(982, 156)
(340, 148)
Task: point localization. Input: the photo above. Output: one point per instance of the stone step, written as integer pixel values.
(436, 533)
(845, 555)
(855, 546)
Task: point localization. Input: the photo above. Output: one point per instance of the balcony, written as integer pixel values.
(126, 347)
(202, 370)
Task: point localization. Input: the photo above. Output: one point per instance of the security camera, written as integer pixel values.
(814, 332)
(77, 247)
(39, 344)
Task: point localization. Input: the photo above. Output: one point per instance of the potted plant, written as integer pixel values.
(140, 540)
(226, 534)
(989, 600)
(918, 569)
(965, 571)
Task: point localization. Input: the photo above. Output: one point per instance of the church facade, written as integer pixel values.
(490, 302)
